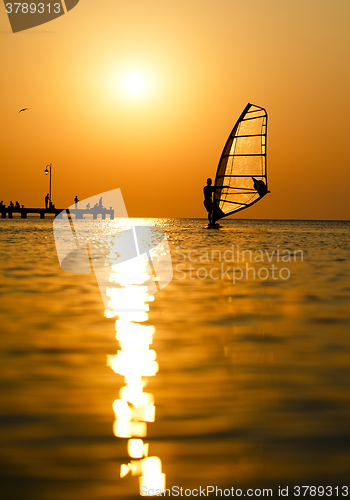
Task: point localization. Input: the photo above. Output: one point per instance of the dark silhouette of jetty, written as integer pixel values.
(57, 212)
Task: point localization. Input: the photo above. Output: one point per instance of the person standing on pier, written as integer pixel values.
(47, 197)
(76, 200)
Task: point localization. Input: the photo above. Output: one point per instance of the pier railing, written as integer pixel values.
(79, 213)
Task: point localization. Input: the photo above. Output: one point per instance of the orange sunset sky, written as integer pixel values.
(198, 64)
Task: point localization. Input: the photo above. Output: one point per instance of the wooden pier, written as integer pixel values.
(77, 212)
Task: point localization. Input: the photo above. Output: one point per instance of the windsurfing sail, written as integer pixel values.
(241, 178)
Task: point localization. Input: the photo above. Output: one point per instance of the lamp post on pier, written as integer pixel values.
(46, 172)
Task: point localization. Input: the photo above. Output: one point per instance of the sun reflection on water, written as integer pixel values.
(129, 299)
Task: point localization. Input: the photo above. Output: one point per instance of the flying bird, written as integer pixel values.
(24, 109)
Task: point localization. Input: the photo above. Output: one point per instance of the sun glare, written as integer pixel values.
(134, 83)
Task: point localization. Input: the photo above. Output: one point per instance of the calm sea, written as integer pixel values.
(252, 338)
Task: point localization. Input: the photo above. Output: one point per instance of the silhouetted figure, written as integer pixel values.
(100, 203)
(11, 205)
(76, 200)
(96, 205)
(88, 206)
(212, 210)
(260, 186)
(47, 199)
(2, 204)
(17, 205)
(208, 191)
(51, 205)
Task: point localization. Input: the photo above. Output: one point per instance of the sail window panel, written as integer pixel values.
(245, 165)
(240, 198)
(247, 118)
(228, 202)
(253, 109)
(253, 113)
(239, 183)
(248, 145)
(238, 170)
(246, 188)
(243, 196)
(251, 127)
(240, 186)
(233, 177)
(234, 203)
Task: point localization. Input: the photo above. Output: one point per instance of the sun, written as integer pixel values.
(134, 83)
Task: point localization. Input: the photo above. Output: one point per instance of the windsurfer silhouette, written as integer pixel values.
(213, 211)
(208, 191)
